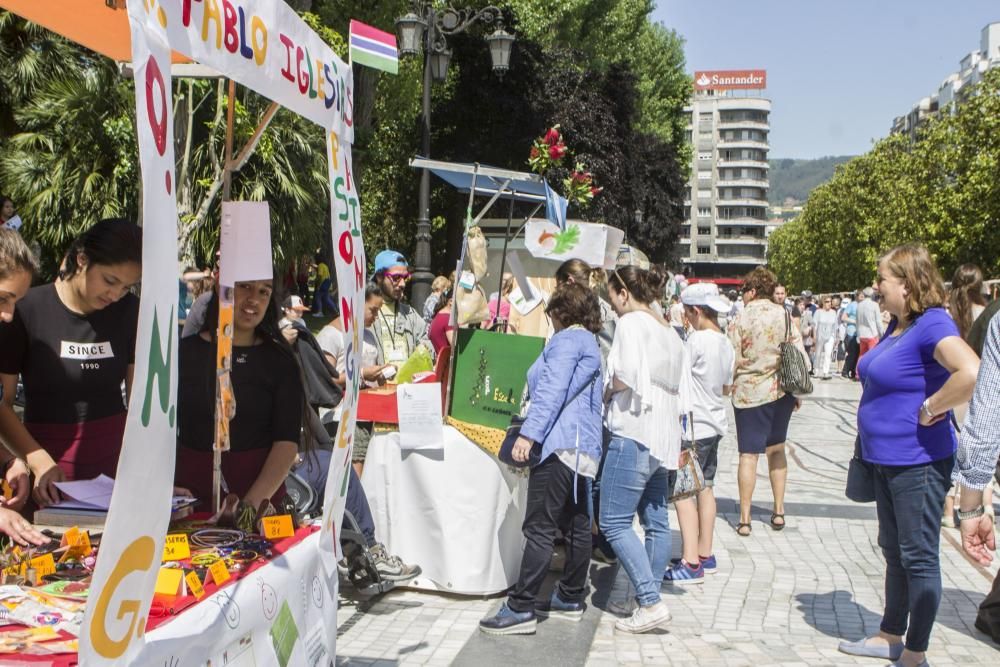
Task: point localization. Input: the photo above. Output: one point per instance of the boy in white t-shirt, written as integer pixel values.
(712, 358)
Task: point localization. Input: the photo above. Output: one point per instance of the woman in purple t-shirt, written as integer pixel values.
(918, 372)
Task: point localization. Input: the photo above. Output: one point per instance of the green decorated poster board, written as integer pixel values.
(491, 372)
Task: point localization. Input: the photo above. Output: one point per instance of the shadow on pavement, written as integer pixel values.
(836, 614)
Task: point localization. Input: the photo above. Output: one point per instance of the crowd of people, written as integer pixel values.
(631, 387)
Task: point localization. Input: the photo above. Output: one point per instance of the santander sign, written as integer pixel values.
(738, 79)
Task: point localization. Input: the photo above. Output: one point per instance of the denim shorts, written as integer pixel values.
(707, 451)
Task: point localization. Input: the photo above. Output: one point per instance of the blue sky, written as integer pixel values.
(838, 71)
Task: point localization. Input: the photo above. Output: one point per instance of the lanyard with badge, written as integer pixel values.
(393, 355)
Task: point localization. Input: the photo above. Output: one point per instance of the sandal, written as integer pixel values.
(778, 526)
(741, 526)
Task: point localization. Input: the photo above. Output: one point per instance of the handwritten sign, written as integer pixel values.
(168, 581)
(176, 547)
(278, 527)
(194, 585)
(219, 572)
(419, 407)
(42, 565)
(78, 542)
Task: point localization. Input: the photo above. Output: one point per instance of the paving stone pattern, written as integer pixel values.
(779, 598)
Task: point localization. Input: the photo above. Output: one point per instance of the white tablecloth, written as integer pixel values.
(287, 603)
(456, 512)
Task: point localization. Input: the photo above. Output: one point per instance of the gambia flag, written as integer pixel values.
(373, 48)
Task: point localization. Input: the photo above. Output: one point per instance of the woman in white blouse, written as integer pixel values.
(647, 374)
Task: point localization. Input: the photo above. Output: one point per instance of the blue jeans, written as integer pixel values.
(633, 481)
(909, 501)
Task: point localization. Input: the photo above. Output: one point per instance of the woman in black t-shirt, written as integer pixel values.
(73, 344)
(267, 385)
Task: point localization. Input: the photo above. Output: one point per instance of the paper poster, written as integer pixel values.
(523, 304)
(245, 242)
(14, 223)
(133, 539)
(419, 409)
(594, 243)
(263, 45)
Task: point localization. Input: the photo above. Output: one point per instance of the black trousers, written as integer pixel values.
(988, 620)
(853, 347)
(550, 507)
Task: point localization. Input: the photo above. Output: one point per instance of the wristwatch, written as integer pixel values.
(971, 514)
(926, 407)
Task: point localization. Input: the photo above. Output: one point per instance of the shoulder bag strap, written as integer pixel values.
(576, 395)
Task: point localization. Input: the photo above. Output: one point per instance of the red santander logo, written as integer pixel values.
(735, 79)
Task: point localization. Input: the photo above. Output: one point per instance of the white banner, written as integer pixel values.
(349, 256)
(132, 546)
(266, 46)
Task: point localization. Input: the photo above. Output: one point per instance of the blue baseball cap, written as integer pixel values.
(389, 258)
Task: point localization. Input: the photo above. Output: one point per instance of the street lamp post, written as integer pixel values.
(426, 27)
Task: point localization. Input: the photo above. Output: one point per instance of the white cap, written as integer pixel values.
(705, 294)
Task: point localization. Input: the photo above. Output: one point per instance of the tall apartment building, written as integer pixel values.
(726, 209)
(957, 86)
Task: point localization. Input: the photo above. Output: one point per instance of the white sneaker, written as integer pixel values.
(644, 619)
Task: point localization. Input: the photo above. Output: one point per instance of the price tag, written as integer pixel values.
(194, 585)
(219, 572)
(278, 527)
(43, 565)
(168, 581)
(176, 547)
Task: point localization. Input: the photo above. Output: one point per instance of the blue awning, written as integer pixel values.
(490, 181)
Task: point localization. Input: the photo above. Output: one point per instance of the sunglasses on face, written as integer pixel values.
(398, 277)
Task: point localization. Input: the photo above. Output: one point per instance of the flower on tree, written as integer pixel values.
(548, 151)
(579, 186)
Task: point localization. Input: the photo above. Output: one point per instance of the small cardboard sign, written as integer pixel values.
(42, 565)
(219, 572)
(245, 242)
(176, 547)
(278, 527)
(78, 542)
(194, 585)
(168, 581)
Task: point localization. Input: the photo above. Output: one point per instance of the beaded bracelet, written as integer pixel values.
(217, 537)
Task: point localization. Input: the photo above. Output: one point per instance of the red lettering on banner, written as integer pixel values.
(347, 172)
(359, 277)
(286, 71)
(349, 119)
(303, 77)
(345, 314)
(158, 126)
(230, 39)
(186, 13)
(346, 247)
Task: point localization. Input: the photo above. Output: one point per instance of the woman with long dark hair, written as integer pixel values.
(966, 301)
(73, 343)
(270, 405)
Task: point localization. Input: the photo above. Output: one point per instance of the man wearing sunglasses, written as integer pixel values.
(398, 328)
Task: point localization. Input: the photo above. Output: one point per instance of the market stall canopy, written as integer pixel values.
(100, 25)
(490, 181)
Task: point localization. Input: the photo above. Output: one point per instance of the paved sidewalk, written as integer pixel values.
(779, 598)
